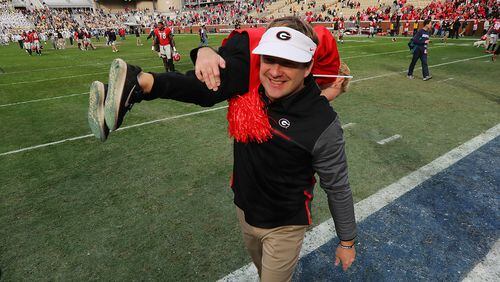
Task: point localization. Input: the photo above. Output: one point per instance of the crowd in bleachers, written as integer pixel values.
(242, 12)
(229, 13)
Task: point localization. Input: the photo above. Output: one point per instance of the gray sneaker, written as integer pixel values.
(427, 78)
(410, 77)
(95, 114)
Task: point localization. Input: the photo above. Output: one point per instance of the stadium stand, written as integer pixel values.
(68, 14)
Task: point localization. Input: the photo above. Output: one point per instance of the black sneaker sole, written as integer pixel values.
(117, 77)
(95, 114)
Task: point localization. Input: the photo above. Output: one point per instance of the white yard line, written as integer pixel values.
(119, 129)
(72, 66)
(78, 75)
(324, 232)
(389, 139)
(348, 125)
(384, 53)
(433, 66)
(193, 113)
(450, 78)
(44, 99)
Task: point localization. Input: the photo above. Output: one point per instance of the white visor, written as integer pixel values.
(286, 43)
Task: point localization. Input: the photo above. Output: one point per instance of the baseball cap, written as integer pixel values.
(286, 43)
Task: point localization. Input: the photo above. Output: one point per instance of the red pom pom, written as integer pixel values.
(248, 121)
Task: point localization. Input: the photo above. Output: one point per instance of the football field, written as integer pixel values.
(153, 202)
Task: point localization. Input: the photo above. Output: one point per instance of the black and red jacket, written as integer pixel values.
(273, 181)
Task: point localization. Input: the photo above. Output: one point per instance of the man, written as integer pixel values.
(166, 44)
(137, 36)
(406, 28)
(341, 30)
(27, 41)
(475, 24)
(272, 179)
(373, 23)
(112, 40)
(420, 41)
(203, 36)
(35, 45)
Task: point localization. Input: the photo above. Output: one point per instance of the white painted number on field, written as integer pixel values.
(390, 139)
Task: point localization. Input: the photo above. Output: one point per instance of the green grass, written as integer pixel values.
(153, 203)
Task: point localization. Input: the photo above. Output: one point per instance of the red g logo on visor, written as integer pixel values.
(283, 35)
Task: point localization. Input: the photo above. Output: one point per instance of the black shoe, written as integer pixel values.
(96, 110)
(123, 92)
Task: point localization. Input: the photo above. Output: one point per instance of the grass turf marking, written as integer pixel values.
(376, 54)
(348, 125)
(417, 68)
(72, 66)
(78, 75)
(488, 269)
(119, 129)
(324, 232)
(389, 139)
(44, 99)
(450, 78)
(194, 113)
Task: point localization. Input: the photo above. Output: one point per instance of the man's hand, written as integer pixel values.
(332, 90)
(207, 67)
(346, 256)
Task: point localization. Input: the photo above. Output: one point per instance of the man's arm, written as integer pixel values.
(330, 163)
(229, 67)
(187, 88)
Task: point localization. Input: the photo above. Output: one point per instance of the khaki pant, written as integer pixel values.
(274, 251)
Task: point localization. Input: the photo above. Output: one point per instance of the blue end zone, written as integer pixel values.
(438, 231)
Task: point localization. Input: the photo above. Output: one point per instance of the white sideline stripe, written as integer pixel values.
(193, 113)
(488, 269)
(46, 144)
(347, 125)
(44, 99)
(73, 66)
(389, 139)
(383, 53)
(73, 76)
(451, 78)
(119, 129)
(324, 232)
(433, 66)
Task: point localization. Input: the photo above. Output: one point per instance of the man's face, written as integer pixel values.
(281, 77)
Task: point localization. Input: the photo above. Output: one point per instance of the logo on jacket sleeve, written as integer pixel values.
(283, 122)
